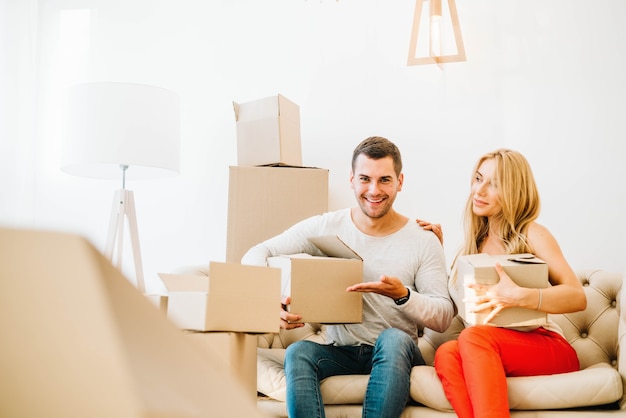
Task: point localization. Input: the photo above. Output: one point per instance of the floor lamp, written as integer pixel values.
(122, 130)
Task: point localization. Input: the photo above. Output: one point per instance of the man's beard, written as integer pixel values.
(375, 214)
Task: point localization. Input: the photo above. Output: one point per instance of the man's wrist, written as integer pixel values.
(403, 299)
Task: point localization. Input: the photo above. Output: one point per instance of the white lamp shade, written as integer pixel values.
(111, 124)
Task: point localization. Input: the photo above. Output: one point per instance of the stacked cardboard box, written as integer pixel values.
(221, 301)
(269, 190)
(160, 301)
(235, 352)
(268, 132)
(264, 201)
(225, 310)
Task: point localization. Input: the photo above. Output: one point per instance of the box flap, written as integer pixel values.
(286, 104)
(486, 260)
(298, 255)
(481, 268)
(264, 108)
(525, 259)
(231, 279)
(236, 109)
(185, 282)
(333, 246)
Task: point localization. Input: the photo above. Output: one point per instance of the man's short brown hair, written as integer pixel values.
(377, 147)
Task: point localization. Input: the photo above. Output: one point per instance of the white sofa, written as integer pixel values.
(595, 391)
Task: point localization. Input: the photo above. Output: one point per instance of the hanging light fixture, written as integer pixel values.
(436, 53)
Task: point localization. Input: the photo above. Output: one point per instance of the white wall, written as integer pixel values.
(544, 77)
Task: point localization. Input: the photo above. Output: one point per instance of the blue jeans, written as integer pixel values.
(388, 363)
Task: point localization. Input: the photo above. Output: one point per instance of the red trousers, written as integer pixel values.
(473, 369)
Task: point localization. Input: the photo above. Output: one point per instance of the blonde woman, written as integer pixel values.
(500, 218)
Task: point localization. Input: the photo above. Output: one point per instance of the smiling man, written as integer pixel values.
(404, 286)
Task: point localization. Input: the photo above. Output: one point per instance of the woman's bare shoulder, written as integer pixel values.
(537, 231)
(542, 241)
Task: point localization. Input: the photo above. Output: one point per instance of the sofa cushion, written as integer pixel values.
(336, 390)
(596, 385)
(270, 373)
(271, 355)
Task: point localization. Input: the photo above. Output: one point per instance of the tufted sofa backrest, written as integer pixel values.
(282, 339)
(594, 332)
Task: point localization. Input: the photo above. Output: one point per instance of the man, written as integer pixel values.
(404, 286)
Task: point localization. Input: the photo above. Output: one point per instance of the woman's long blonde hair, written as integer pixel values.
(519, 200)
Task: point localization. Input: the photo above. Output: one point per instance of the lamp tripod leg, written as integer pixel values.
(124, 208)
(114, 221)
(134, 239)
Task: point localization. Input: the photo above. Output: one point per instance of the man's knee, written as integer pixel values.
(300, 349)
(394, 338)
(393, 342)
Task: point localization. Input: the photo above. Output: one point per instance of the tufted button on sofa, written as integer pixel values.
(596, 390)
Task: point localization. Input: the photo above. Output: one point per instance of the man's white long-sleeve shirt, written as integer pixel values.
(410, 254)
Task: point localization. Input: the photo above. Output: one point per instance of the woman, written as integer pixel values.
(500, 218)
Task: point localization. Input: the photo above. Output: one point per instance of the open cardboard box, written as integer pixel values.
(159, 301)
(317, 285)
(234, 297)
(524, 269)
(268, 132)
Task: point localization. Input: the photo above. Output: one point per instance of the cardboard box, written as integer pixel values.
(265, 201)
(268, 132)
(233, 297)
(160, 301)
(81, 341)
(236, 351)
(524, 269)
(317, 285)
